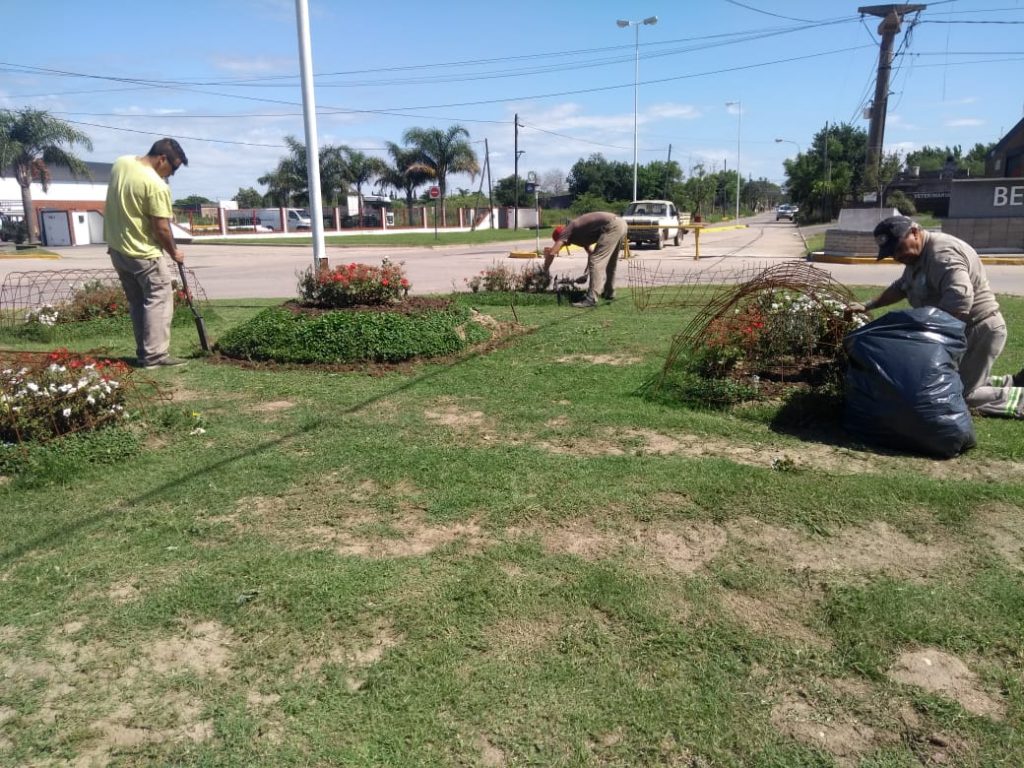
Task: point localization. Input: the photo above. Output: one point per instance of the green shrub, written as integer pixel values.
(899, 200)
(285, 335)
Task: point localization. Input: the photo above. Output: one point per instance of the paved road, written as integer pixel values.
(241, 271)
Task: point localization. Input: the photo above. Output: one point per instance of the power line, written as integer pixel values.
(758, 10)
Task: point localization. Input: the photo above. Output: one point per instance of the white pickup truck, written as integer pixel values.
(655, 221)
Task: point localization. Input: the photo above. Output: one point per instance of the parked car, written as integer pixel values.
(785, 211)
(655, 222)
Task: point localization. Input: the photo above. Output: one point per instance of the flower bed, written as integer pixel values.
(352, 285)
(62, 393)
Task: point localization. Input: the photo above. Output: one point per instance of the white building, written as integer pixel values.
(70, 211)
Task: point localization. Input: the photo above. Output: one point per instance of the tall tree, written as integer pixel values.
(362, 169)
(830, 173)
(247, 197)
(405, 173)
(611, 180)
(288, 183)
(443, 152)
(31, 141)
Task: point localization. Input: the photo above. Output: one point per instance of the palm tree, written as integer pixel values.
(30, 142)
(361, 169)
(406, 173)
(443, 152)
(289, 182)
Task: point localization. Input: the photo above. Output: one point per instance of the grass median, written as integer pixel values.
(508, 558)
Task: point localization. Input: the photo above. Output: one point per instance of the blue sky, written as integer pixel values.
(223, 78)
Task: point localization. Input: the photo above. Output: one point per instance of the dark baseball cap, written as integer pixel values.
(889, 232)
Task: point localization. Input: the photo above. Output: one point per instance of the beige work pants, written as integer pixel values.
(147, 285)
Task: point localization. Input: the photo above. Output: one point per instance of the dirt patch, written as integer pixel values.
(123, 592)
(449, 414)
(941, 673)
(820, 457)
(355, 654)
(779, 617)
(125, 728)
(413, 538)
(272, 406)
(203, 648)
(574, 538)
(876, 547)
(490, 755)
(615, 360)
(79, 688)
(681, 548)
(831, 729)
(1002, 526)
(513, 637)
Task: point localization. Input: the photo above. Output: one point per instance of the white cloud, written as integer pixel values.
(255, 66)
(964, 122)
(668, 110)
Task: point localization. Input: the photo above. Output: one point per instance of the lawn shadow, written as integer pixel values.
(65, 533)
(817, 417)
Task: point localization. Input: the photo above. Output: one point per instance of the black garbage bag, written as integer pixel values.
(902, 385)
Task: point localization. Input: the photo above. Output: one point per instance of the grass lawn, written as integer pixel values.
(502, 560)
(423, 239)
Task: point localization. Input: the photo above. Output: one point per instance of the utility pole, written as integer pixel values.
(490, 191)
(515, 224)
(892, 17)
(668, 171)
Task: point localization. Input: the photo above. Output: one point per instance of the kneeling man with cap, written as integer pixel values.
(945, 272)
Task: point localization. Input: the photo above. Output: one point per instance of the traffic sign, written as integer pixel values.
(435, 192)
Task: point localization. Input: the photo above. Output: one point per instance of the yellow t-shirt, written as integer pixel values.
(135, 193)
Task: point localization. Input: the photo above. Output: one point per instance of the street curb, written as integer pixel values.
(725, 228)
(822, 258)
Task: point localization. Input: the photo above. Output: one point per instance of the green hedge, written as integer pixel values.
(348, 336)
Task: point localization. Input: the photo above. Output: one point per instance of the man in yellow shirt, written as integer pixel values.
(137, 228)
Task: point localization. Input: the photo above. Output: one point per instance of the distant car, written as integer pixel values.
(785, 211)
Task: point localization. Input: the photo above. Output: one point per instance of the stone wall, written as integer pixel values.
(848, 242)
(987, 234)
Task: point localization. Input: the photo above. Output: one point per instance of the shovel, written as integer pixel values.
(204, 342)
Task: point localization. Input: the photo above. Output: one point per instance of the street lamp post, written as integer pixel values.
(799, 150)
(739, 120)
(636, 82)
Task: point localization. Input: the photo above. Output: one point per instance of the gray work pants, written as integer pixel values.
(986, 394)
(147, 285)
(604, 259)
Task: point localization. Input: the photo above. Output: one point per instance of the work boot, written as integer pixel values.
(165, 362)
(585, 304)
(1018, 378)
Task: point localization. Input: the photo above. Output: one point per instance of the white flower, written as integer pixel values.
(32, 386)
(198, 431)
(66, 412)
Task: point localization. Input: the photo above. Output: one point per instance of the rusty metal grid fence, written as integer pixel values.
(816, 294)
(22, 293)
(659, 284)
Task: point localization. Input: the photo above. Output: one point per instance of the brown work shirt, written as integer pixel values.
(586, 230)
(948, 275)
